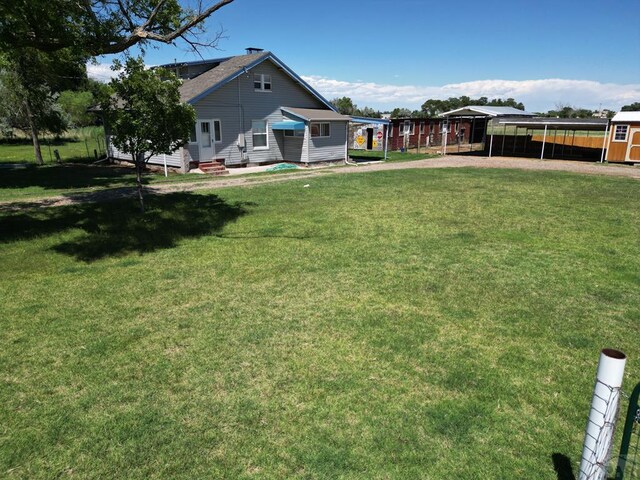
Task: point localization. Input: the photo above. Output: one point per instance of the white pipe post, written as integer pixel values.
(544, 140)
(164, 159)
(491, 142)
(446, 134)
(386, 140)
(604, 143)
(598, 435)
(346, 143)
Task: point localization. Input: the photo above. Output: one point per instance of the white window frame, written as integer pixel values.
(266, 134)
(421, 128)
(390, 130)
(320, 129)
(404, 130)
(261, 78)
(617, 132)
(193, 135)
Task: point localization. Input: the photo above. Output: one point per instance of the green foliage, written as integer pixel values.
(433, 107)
(632, 107)
(345, 106)
(28, 106)
(99, 26)
(75, 105)
(145, 114)
(400, 113)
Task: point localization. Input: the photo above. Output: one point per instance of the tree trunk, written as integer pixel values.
(34, 134)
(139, 162)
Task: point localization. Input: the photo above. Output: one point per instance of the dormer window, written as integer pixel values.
(262, 82)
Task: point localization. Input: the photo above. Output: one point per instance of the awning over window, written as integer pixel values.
(287, 125)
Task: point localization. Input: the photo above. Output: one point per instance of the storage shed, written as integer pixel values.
(624, 140)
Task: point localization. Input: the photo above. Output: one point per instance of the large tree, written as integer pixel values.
(31, 80)
(145, 115)
(99, 27)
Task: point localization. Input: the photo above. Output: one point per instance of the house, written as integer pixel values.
(253, 109)
(624, 138)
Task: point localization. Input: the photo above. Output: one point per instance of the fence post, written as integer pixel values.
(602, 416)
(633, 416)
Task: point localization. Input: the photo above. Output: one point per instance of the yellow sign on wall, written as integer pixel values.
(360, 140)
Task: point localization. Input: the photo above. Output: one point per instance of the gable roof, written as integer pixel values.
(626, 117)
(484, 110)
(191, 91)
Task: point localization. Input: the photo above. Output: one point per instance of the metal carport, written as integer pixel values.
(548, 124)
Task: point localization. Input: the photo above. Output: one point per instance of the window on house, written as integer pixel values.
(217, 131)
(294, 133)
(320, 129)
(421, 128)
(192, 135)
(620, 134)
(262, 82)
(259, 134)
(390, 128)
(408, 127)
(205, 137)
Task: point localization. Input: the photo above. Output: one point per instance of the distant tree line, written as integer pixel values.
(434, 107)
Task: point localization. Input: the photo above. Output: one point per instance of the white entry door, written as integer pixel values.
(205, 140)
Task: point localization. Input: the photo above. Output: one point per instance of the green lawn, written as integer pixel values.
(392, 155)
(408, 324)
(75, 145)
(21, 184)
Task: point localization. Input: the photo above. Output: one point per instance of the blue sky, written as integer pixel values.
(385, 54)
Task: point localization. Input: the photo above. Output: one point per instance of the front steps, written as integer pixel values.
(213, 167)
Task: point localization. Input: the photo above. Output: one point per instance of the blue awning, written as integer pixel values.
(287, 125)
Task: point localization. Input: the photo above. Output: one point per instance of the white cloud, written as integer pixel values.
(537, 95)
(100, 71)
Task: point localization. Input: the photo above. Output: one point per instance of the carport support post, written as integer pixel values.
(346, 144)
(544, 140)
(386, 139)
(473, 131)
(491, 141)
(604, 143)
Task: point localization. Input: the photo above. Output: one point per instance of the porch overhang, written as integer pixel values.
(287, 125)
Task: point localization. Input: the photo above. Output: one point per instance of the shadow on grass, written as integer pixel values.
(562, 466)
(64, 176)
(118, 228)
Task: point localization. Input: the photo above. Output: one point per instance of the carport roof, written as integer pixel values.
(485, 111)
(554, 122)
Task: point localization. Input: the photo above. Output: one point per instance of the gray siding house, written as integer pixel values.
(253, 109)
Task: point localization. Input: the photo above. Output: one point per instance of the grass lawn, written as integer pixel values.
(72, 146)
(21, 184)
(392, 155)
(407, 324)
